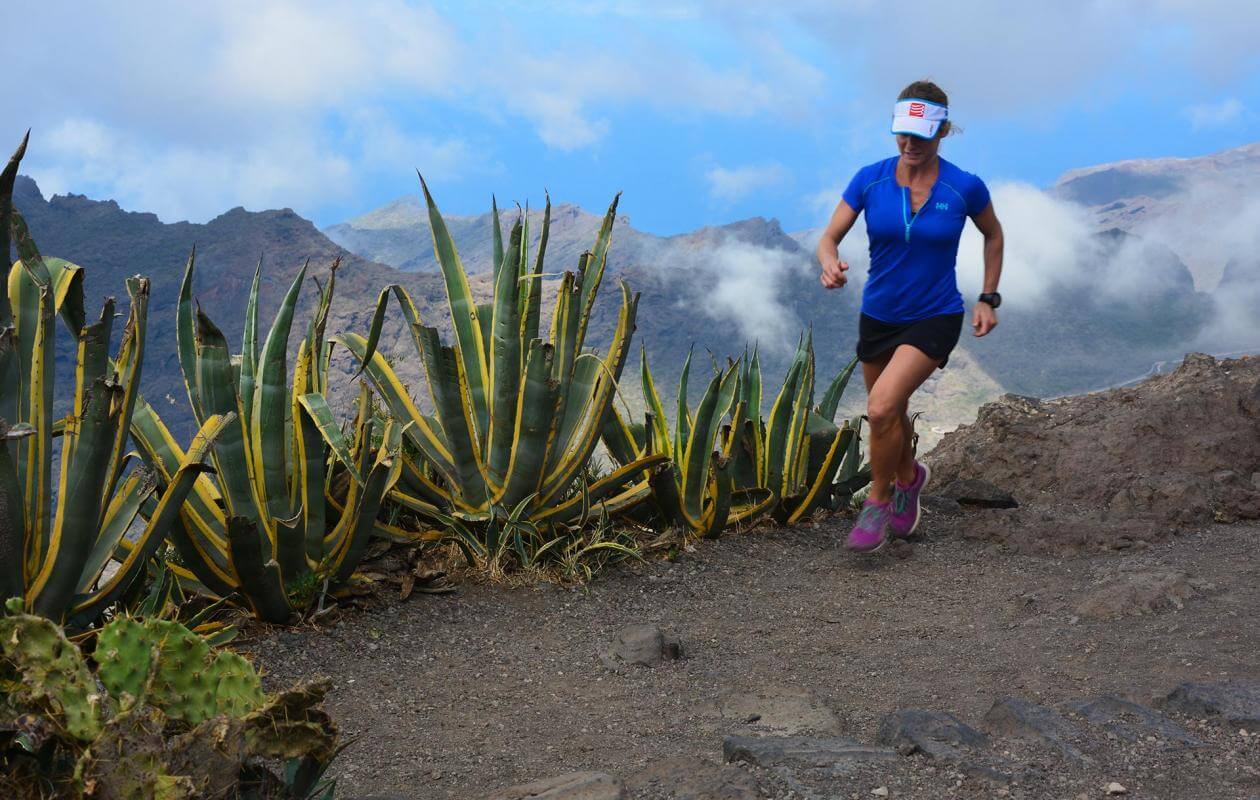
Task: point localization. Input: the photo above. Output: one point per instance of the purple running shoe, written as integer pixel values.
(871, 531)
(905, 503)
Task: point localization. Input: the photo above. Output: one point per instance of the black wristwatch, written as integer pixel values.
(992, 298)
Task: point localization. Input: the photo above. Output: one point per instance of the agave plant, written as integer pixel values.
(291, 503)
(517, 416)
(798, 452)
(696, 491)
(54, 552)
(729, 465)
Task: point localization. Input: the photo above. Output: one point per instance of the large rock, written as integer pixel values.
(1236, 703)
(1015, 716)
(1175, 450)
(937, 734)
(781, 709)
(1140, 592)
(1132, 722)
(835, 754)
(573, 786)
(689, 778)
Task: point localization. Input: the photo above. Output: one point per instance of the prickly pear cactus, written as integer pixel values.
(124, 656)
(238, 688)
(118, 734)
(51, 674)
(180, 685)
(174, 669)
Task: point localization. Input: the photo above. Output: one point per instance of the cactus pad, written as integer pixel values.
(239, 689)
(180, 684)
(124, 656)
(53, 674)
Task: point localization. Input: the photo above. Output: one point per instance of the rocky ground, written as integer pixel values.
(861, 659)
(1080, 621)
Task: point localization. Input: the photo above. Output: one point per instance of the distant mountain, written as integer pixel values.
(398, 234)
(1205, 209)
(112, 244)
(722, 286)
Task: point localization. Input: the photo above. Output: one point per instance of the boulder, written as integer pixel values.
(572, 786)
(1235, 703)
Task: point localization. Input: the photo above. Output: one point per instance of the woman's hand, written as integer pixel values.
(833, 270)
(983, 319)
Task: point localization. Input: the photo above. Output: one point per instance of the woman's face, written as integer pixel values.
(915, 151)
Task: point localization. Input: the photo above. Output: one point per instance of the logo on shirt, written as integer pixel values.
(916, 109)
(942, 206)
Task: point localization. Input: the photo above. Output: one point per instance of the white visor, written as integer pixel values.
(921, 118)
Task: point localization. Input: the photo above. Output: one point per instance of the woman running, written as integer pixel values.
(916, 204)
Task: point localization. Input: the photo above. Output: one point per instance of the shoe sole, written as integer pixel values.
(875, 549)
(918, 505)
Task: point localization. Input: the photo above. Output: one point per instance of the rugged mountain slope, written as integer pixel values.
(112, 244)
(1205, 209)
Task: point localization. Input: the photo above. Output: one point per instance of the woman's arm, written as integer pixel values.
(984, 318)
(833, 268)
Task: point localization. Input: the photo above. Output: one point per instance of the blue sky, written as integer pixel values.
(703, 112)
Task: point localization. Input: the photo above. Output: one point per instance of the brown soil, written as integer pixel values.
(455, 696)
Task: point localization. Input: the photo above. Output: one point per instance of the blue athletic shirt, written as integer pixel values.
(913, 256)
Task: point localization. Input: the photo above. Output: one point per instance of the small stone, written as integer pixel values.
(641, 645)
(881, 791)
(1115, 788)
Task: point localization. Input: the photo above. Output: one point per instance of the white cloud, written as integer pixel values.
(996, 56)
(736, 183)
(743, 283)
(1215, 115)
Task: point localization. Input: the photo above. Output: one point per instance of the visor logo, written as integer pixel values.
(916, 109)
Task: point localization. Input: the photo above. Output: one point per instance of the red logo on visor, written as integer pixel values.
(916, 109)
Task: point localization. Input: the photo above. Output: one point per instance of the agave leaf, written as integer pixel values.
(267, 420)
(505, 358)
(831, 398)
(498, 238)
(424, 435)
(463, 310)
(249, 350)
(448, 383)
(186, 338)
(90, 604)
(578, 451)
(260, 580)
(594, 274)
(127, 368)
(7, 178)
(217, 391)
(534, 422)
(531, 296)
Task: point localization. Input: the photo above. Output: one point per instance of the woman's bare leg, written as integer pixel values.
(889, 384)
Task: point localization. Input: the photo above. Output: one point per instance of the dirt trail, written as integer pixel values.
(453, 697)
